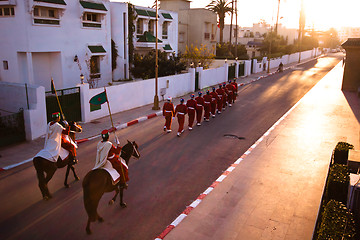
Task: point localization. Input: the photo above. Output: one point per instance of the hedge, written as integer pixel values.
(337, 183)
(336, 222)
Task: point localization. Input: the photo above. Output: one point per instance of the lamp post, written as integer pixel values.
(156, 97)
(82, 78)
(269, 52)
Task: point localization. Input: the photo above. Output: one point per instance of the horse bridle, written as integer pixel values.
(134, 149)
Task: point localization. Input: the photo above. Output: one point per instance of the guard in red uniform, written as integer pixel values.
(226, 94)
(236, 89)
(180, 112)
(168, 113)
(199, 108)
(214, 99)
(220, 94)
(207, 105)
(191, 106)
(231, 89)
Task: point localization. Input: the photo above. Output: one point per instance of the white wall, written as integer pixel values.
(210, 77)
(134, 94)
(34, 109)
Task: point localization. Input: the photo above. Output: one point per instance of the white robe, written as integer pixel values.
(52, 145)
(103, 149)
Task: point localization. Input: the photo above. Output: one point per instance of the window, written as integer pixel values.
(151, 26)
(139, 27)
(95, 67)
(91, 20)
(181, 37)
(44, 15)
(6, 65)
(7, 11)
(165, 30)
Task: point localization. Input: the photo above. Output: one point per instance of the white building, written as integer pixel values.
(197, 26)
(348, 32)
(145, 30)
(59, 39)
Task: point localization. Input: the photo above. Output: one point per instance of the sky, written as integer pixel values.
(320, 14)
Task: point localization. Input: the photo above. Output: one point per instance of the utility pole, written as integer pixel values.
(269, 51)
(156, 97)
(277, 18)
(301, 27)
(236, 31)
(231, 23)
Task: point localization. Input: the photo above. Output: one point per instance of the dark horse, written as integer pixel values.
(98, 181)
(44, 166)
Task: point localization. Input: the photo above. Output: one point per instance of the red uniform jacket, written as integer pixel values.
(235, 86)
(122, 169)
(220, 93)
(199, 101)
(191, 105)
(168, 109)
(207, 98)
(230, 87)
(181, 109)
(214, 96)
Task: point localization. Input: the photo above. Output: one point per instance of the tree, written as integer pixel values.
(220, 7)
(196, 55)
(144, 65)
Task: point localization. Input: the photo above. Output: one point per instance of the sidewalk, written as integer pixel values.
(17, 154)
(274, 190)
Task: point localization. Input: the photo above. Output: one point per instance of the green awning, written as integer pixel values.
(141, 12)
(167, 15)
(52, 1)
(151, 13)
(167, 47)
(148, 37)
(97, 49)
(91, 5)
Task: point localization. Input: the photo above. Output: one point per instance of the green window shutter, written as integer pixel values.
(167, 15)
(167, 47)
(141, 12)
(91, 5)
(148, 37)
(151, 14)
(97, 49)
(52, 1)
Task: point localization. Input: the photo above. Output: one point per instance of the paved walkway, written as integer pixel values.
(274, 190)
(18, 154)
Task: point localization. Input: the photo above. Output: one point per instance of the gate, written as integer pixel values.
(231, 73)
(12, 128)
(241, 69)
(69, 99)
(196, 81)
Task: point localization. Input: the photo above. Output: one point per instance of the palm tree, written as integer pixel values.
(220, 7)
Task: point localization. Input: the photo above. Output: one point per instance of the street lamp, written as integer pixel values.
(156, 97)
(82, 78)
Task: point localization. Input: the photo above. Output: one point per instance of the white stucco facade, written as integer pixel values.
(60, 39)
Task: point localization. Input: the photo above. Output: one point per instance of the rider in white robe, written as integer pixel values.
(52, 145)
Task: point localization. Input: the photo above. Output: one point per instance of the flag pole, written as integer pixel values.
(114, 129)
(57, 98)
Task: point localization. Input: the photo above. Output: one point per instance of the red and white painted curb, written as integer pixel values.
(198, 200)
(118, 127)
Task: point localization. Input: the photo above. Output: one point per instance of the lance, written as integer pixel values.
(57, 98)
(113, 128)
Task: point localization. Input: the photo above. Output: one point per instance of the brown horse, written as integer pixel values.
(98, 181)
(44, 166)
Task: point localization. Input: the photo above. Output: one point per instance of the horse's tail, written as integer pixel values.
(92, 192)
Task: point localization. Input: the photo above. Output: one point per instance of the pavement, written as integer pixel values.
(273, 191)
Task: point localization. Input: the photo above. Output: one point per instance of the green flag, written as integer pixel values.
(98, 99)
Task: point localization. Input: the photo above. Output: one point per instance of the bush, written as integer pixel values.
(336, 223)
(337, 183)
(341, 152)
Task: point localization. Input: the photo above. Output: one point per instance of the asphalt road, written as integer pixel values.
(170, 174)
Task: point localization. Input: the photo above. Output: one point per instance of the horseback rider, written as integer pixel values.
(69, 144)
(107, 152)
(52, 145)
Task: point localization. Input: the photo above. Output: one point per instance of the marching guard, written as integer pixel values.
(236, 89)
(207, 105)
(231, 89)
(226, 94)
(220, 99)
(168, 113)
(191, 106)
(199, 108)
(180, 112)
(214, 100)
